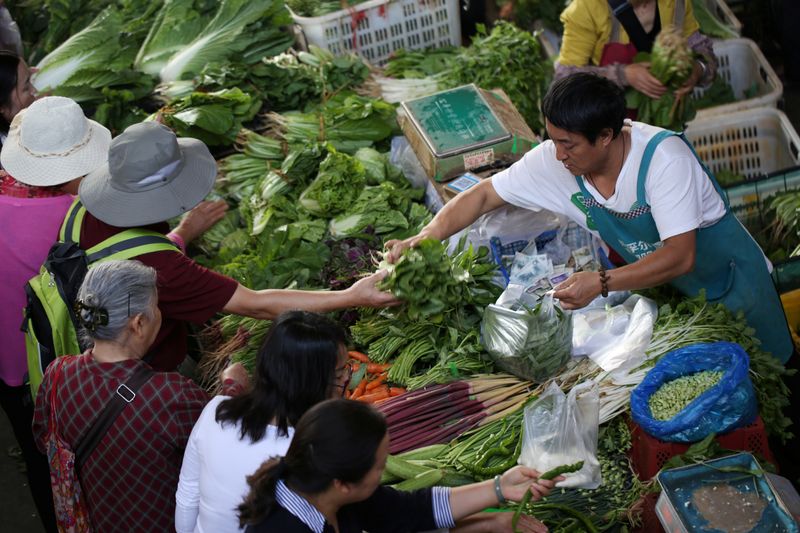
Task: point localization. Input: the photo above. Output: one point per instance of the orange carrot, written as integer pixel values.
(396, 391)
(359, 390)
(375, 396)
(358, 356)
(376, 368)
(347, 394)
(375, 383)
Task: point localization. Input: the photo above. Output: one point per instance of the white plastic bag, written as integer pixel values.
(561, 429)
(615, 337)
(510, 223)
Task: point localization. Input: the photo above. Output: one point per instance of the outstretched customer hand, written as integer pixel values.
(200, 219)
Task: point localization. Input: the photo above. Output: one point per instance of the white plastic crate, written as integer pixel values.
(753, 142)
(741, 63)
(724, 14)
(377, 28)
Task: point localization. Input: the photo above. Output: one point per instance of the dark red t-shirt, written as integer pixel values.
(187, 292)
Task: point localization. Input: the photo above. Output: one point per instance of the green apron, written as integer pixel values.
(729, 264)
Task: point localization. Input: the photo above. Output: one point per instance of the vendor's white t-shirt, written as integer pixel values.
(680, 195)
(216, 463)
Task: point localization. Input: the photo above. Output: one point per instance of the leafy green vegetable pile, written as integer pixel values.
(505, 57)
(508, 58)
(317, 8)
(673, 397)
(709, 24)
(214, 118)
(671, 62)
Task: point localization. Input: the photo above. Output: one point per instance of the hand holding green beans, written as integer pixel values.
(521, 479)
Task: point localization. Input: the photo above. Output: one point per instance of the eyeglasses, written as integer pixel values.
(343, 375)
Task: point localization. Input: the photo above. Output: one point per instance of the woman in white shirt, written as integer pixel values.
(302, 362)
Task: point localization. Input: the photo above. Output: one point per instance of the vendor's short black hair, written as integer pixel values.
(586, 104)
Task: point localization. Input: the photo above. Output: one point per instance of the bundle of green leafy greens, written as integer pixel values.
(709, 24)
(214, 118)
(671, 63)
(339, 182)
(177, 24)
(507, 58)
(346, 121)
(382, 208)
(317, 8)
(93, 67)
(246, 30)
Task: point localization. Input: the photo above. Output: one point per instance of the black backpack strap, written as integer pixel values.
(624, 13)
(124, 395)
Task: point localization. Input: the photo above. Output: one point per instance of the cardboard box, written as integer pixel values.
(464, 129)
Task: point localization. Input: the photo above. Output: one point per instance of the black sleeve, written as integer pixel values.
(392, 511)
(279, 520)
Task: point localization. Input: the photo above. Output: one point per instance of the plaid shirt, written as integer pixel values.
(11, 187)
(130, 479)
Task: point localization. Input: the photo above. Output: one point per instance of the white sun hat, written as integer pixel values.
(52, 142)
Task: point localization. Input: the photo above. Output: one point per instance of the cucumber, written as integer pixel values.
(422, 481)
(403, 469)
(427, 452)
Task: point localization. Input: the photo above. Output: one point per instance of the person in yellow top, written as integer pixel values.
(603, 36)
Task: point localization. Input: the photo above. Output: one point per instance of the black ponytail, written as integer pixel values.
(336, 439)
(295, 370)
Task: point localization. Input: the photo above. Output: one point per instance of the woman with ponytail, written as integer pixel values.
(329, 482)
(303, 361)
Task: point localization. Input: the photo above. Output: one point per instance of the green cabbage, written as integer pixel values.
(177, 24)
(237, 26)
(338, 184)
(95, 48)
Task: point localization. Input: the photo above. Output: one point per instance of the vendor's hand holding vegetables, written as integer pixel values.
(644, 192)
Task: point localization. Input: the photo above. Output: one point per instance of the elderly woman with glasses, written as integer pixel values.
(302, 362)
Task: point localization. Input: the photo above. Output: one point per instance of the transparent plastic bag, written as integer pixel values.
(534, 344)
(511, 223)
(561, 429)
(615, 337)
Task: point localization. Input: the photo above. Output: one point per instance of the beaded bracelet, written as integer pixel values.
(603, 281)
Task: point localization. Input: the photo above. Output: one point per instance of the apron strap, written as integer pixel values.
(679, 14)
(648, 156)
(644, 164)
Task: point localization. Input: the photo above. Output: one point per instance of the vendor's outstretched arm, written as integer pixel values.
(673, 259)
(456, 215)
(269, 303)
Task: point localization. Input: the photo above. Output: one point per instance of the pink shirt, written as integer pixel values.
(28, 228)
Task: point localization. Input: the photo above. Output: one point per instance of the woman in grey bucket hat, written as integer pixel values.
(152, 176)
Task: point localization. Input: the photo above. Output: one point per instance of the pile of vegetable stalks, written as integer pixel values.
(439, 413)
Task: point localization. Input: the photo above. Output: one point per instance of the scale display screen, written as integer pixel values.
(456, 121)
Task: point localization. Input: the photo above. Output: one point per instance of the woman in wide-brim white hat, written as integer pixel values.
(50, 146)
(52, 143)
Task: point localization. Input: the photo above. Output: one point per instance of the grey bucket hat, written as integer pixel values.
(151, 176)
